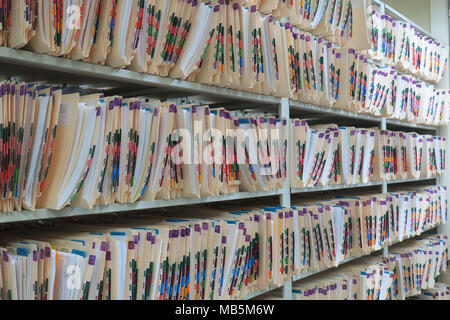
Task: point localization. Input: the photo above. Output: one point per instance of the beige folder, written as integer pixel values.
(125, 29)
(63, 149)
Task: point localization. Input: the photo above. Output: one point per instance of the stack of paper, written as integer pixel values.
(213, 255)
(328, 232)
(18, 22)
(143, 150)
(233, 46)
(335, 20)
(30, 116)
(57, 26)
(417, 264)
(61, 149)
(399, 44)
(331, 155)
(366, 88)
(411, 268)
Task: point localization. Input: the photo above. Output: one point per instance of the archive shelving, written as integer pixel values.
(29, 66)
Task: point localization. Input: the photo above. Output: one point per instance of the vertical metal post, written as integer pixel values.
(384, 186)
(383, 126)
(287, 290)
(285, 199)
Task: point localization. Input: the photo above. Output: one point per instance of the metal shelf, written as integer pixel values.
(337, 187)
(312, 273)
(38, 67)
(69, 212)
(411, 180)
(321, 110)
(300, 106)
(355, 186)
(260, 292)
(68, 71)
(399, 123)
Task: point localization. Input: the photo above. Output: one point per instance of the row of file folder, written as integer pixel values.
(399, 44)
(352, 226)
(410, 270)
(60, 149)
(335, 20)
(322, 155)
(65, 149)
(226, 44)
(190, 253)
(383, 91)
(440, 291)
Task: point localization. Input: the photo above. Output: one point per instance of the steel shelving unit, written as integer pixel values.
(29, 66)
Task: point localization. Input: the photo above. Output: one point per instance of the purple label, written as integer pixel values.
(217, 229)
(35, 256)
(197, 228)
(205, 226)
(47, 252)
(108, 256)
(92, 260)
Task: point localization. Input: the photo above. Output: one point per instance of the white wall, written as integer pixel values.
(418, 11)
